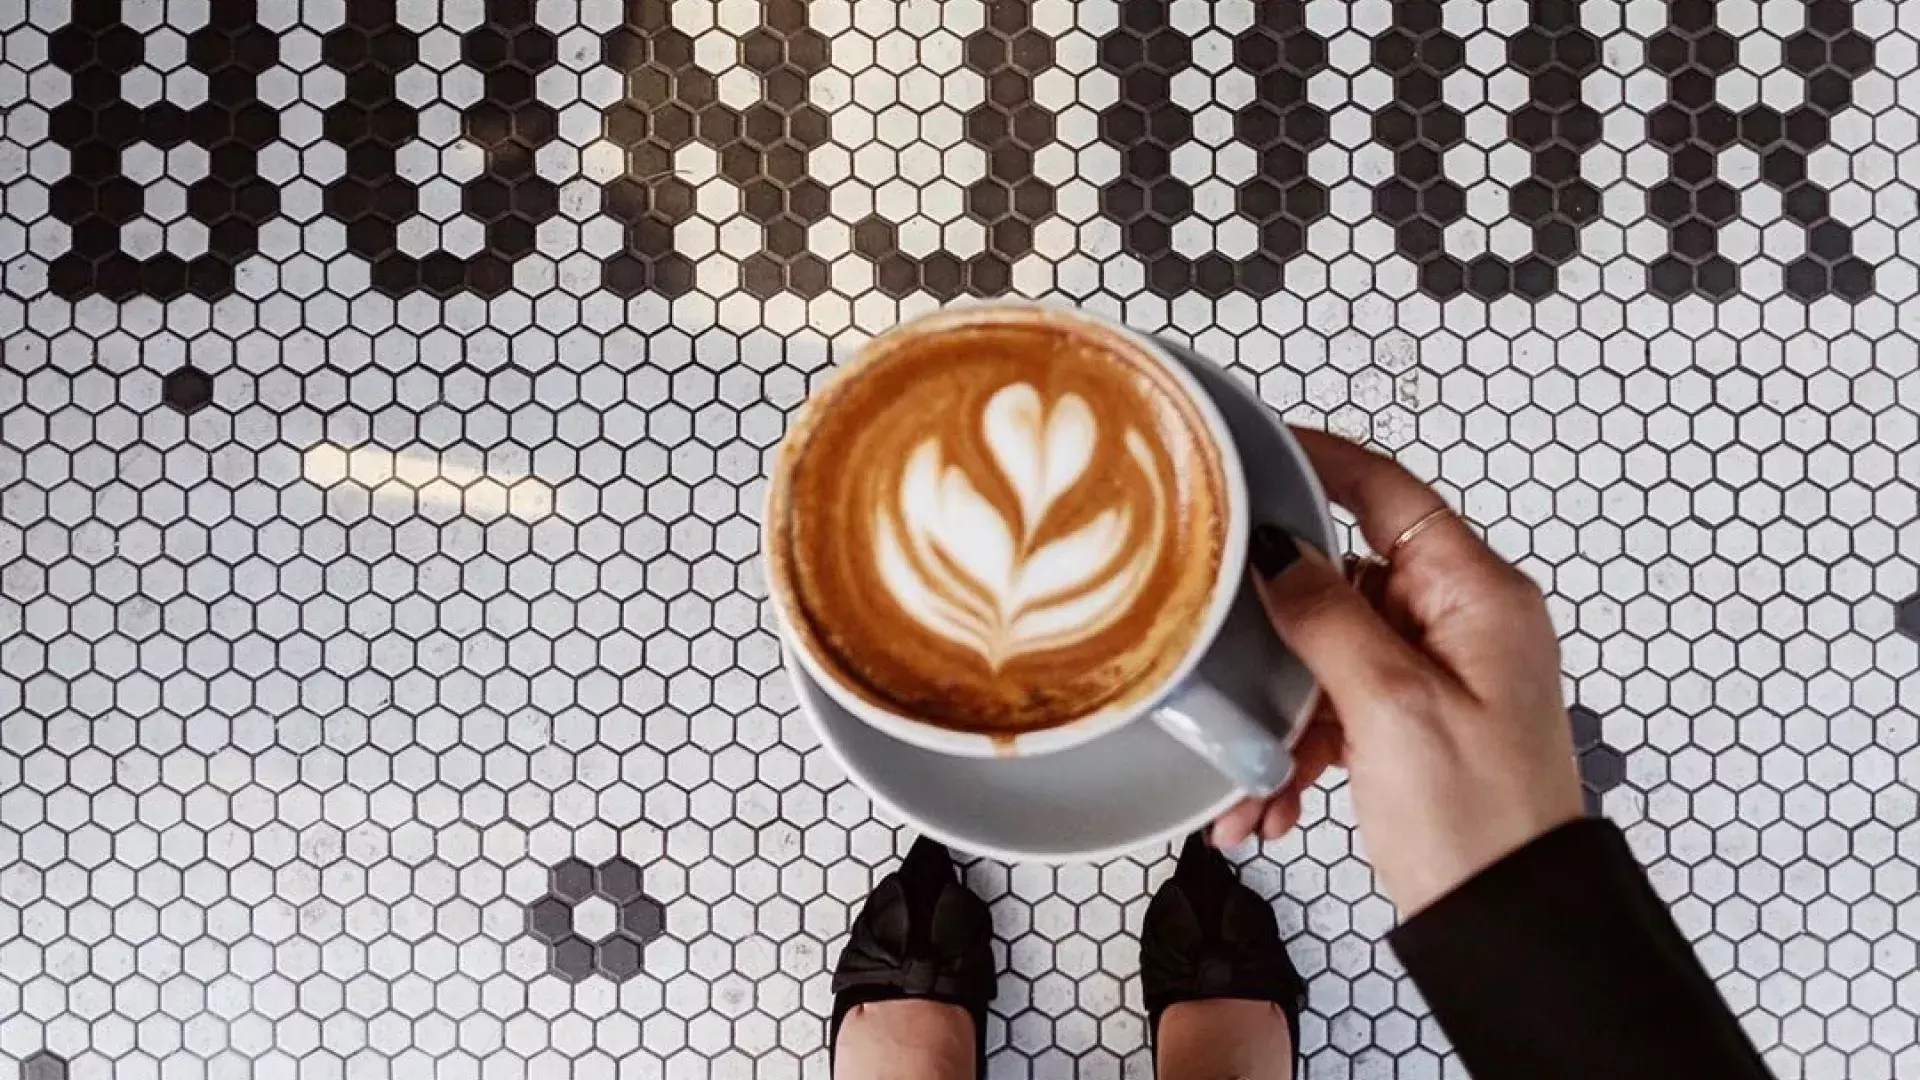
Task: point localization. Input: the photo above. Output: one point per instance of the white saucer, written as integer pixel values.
(1125, 790)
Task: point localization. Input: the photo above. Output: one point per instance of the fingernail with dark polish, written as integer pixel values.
(1272, 551)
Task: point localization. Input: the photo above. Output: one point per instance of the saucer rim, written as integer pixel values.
(814, 695)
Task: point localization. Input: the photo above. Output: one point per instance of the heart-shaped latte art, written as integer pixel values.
(1041, 452)
(956, 563)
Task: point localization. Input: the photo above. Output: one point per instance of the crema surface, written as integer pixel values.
(1001, 526)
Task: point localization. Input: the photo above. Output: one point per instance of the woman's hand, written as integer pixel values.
(1442, 691)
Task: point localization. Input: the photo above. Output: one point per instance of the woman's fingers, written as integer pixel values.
(1283, 813)
(1445, 589)
(1447, 694)
(1273, 817)
(1318, 750)
(1355, 626)
(1238, 823)
(1387, 500)
(1366, 670)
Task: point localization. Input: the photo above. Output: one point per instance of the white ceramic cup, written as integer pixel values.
(1210, 715)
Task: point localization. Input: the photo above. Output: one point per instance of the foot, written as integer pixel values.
(905, 1039)
(1210, 941)
(1215, 1037)
(919, 957)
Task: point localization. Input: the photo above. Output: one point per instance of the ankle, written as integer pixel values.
(905, 1039)
(1216, 1038)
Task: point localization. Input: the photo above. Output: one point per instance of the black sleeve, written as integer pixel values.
(1560, 962)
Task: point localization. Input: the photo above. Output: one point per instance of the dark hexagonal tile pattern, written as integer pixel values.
(418, 709)
(216, 205)
(576, 949)
(1694, 127)
(1146, 53)
(505, 120)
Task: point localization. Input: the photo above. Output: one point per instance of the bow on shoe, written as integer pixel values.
(921, 934)
(1208, 936)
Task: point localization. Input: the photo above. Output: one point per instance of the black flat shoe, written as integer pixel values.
(920, 935)
(1208, 936)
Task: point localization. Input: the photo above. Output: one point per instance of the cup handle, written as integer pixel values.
(1205, 720)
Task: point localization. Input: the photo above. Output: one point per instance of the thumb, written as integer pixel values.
(1369, 671)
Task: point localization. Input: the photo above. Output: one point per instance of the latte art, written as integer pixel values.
(959, 566)
(998, 522)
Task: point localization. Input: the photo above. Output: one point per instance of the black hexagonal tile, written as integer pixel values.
(43, 1065)
(187, 390)
(549, 919)
(1602, 768)
(618, 958)
(571, 880)
(618, 879)
(572, 958)
(644, 919)
(1906, 616)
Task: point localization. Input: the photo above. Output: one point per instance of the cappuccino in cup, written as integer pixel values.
(1001, 520)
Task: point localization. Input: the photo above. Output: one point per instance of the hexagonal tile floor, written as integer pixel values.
(387, 389)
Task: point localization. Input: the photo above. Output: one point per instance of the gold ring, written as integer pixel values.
(1408, 534)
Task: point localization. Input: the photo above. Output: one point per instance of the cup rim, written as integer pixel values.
(797, 639)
